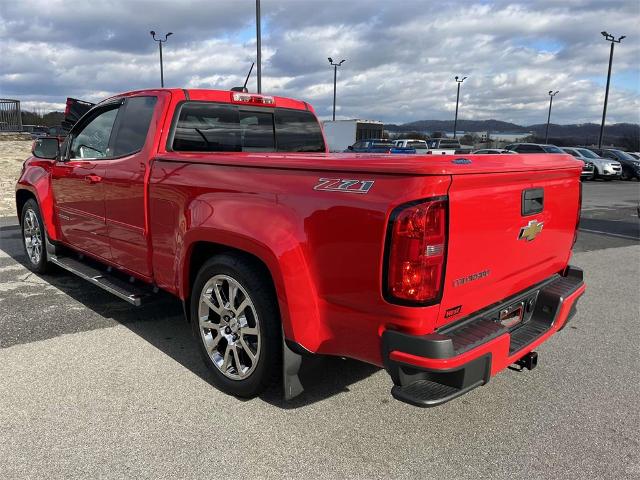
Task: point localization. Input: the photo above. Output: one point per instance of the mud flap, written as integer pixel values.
(291, 362)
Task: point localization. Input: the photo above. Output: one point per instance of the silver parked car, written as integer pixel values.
(589, 169)
(605, 168)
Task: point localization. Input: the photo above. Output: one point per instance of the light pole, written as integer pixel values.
(258, 47)
(160, 42)
(455, 122)
(609, 38)
(551, 95)
(335, 76)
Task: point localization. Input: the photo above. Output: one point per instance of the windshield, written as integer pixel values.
(417, 144)
(382, 145)
(585, 152)
(624, 155)
(552, 149)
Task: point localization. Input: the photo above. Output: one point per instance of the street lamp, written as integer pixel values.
(455, 122)
(258, 47)
(609, 38)
(551, 95)
(335, 75)
(160, 42)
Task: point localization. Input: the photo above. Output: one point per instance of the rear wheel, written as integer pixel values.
(235, 320)
(33, 237)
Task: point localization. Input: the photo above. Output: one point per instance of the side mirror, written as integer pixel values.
(350, 147)
(46, 147)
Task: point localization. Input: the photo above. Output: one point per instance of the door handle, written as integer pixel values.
(93, 178)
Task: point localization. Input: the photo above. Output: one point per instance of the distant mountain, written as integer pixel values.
(463, 125)
(587, 130)
(580, 130)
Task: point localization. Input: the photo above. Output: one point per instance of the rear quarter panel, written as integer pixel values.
(324, 249)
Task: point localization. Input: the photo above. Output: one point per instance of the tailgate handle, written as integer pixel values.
(532, 201)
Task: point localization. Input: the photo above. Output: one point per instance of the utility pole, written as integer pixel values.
(551, 95)
(609, 38)
(160, 42)
(335, 76)
(455, 122)
(258, 47)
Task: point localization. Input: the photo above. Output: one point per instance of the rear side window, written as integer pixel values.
(213, 127)
(133, 125)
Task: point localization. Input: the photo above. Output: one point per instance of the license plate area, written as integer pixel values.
(511, 316)
(516, 313)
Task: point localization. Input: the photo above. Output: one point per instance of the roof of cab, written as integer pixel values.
(210, 95)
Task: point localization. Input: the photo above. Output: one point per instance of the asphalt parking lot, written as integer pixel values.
(90, 387)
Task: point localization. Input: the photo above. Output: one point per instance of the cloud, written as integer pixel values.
(400, 58)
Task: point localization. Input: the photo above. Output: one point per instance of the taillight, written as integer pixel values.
(575, 234)
(416, 251)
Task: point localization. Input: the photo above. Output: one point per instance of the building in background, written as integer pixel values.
(342, 133)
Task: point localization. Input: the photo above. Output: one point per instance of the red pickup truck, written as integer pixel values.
(444, 270)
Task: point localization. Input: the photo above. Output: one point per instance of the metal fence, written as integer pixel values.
(10, 118)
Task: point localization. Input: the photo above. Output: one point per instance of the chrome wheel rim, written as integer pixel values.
(32, 237)
(229, 327)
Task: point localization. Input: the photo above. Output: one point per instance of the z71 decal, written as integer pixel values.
(344, 185)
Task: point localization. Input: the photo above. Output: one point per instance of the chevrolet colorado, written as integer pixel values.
(443, 270)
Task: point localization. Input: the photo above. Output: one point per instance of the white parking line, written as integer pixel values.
(628, 237)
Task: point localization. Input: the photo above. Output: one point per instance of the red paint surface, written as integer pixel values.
(323, 249)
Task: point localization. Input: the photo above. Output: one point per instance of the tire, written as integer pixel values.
(237, 333)
(34, 237)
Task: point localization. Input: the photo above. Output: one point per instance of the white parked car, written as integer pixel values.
(420, 146)
(604, 168)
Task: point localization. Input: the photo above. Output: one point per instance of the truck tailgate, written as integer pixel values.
(495, 248)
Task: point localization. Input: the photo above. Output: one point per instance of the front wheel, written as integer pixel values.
(33, 237)
(235, 320)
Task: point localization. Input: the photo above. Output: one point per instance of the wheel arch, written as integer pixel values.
(23, 196)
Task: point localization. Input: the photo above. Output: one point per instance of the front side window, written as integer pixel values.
(133, 125)
(93, 140)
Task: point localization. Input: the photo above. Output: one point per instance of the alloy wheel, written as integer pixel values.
(229, 327)
(32, 236)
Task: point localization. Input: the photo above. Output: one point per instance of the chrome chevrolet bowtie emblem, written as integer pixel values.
(530, 231)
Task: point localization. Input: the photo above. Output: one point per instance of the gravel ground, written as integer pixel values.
(12, 154)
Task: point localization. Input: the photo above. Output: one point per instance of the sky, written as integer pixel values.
(400, 56)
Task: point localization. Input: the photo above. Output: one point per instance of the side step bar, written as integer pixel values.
(104, 279)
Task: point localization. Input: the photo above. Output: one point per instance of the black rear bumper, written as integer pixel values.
(457, 344)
